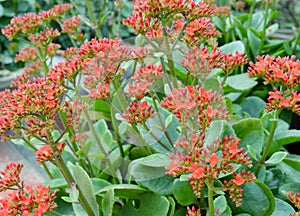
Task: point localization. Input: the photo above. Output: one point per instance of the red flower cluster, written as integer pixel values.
(30, 23)
(138, 112)
(200, 61)
(31, 108)
(143, 78)
(194, 104)
(192, 211)
(282, 72)
(294, 198)
(197, 30)
(44, 37)
(71, 25)
(28, 201)
(10, 176)
(206, 163)
(24, 200)
(147, 16)
(45, 153)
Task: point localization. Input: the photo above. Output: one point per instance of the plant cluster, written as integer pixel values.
(165, 127)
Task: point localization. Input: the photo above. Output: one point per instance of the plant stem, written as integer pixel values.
(67, 174)
(154, 137)
(264, 27)
(93, 19)
(160, 119)
(269, 142)
(251, 13)
(170, 58)
(210, 194)
(101, 13)
(180, 34)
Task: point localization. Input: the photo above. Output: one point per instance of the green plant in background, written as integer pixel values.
(163, 129)
(254, 23)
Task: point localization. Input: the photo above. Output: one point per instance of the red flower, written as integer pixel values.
(10, 176)
(138, 112)
(71, 25)
(45, 153)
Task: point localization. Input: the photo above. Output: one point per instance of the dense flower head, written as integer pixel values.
(45, 153)
(71, 25)
(233, 186)
(283, 71)
(194, 104)
(31, 107)
(289, 100)
(193, 211)
(294, 198)
(44, 37)
(26, 54)
(232, 61)
(29, 201)
(26, 24)
(55, 12)
(143, 79)
(205, 163)
(200, 61)
(198, 30)
(10, 176)
(138, 112)
(146, 16)
(31, 23)
(167, 9)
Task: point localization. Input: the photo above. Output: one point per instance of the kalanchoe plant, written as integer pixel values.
(23, 199)
(162, 129)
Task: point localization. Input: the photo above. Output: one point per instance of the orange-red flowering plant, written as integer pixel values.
(164, 125)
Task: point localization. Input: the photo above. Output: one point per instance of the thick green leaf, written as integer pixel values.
(288, 187)
(108, 203)
(99, 183)
(258, 200)
(241, 82)
(141, 172)
(254, 41)
(233, 47)
(214, 132)
(172, 206)
(257, 21)
(156, 160)
(287, 136)
(293, 161)
(56, 183)
(85, 184)
(155, 127)
(183, 192)
(282, 208)
(126, 191)
(150, 205)
(290, 170)
(276, 158)
(220, 205)
(251, 132)
(252, 152)
(274, 178)
(78, 210)
(253, 105)
(272, 29)
(161, 185)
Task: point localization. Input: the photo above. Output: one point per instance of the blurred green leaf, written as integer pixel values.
(150, 205)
